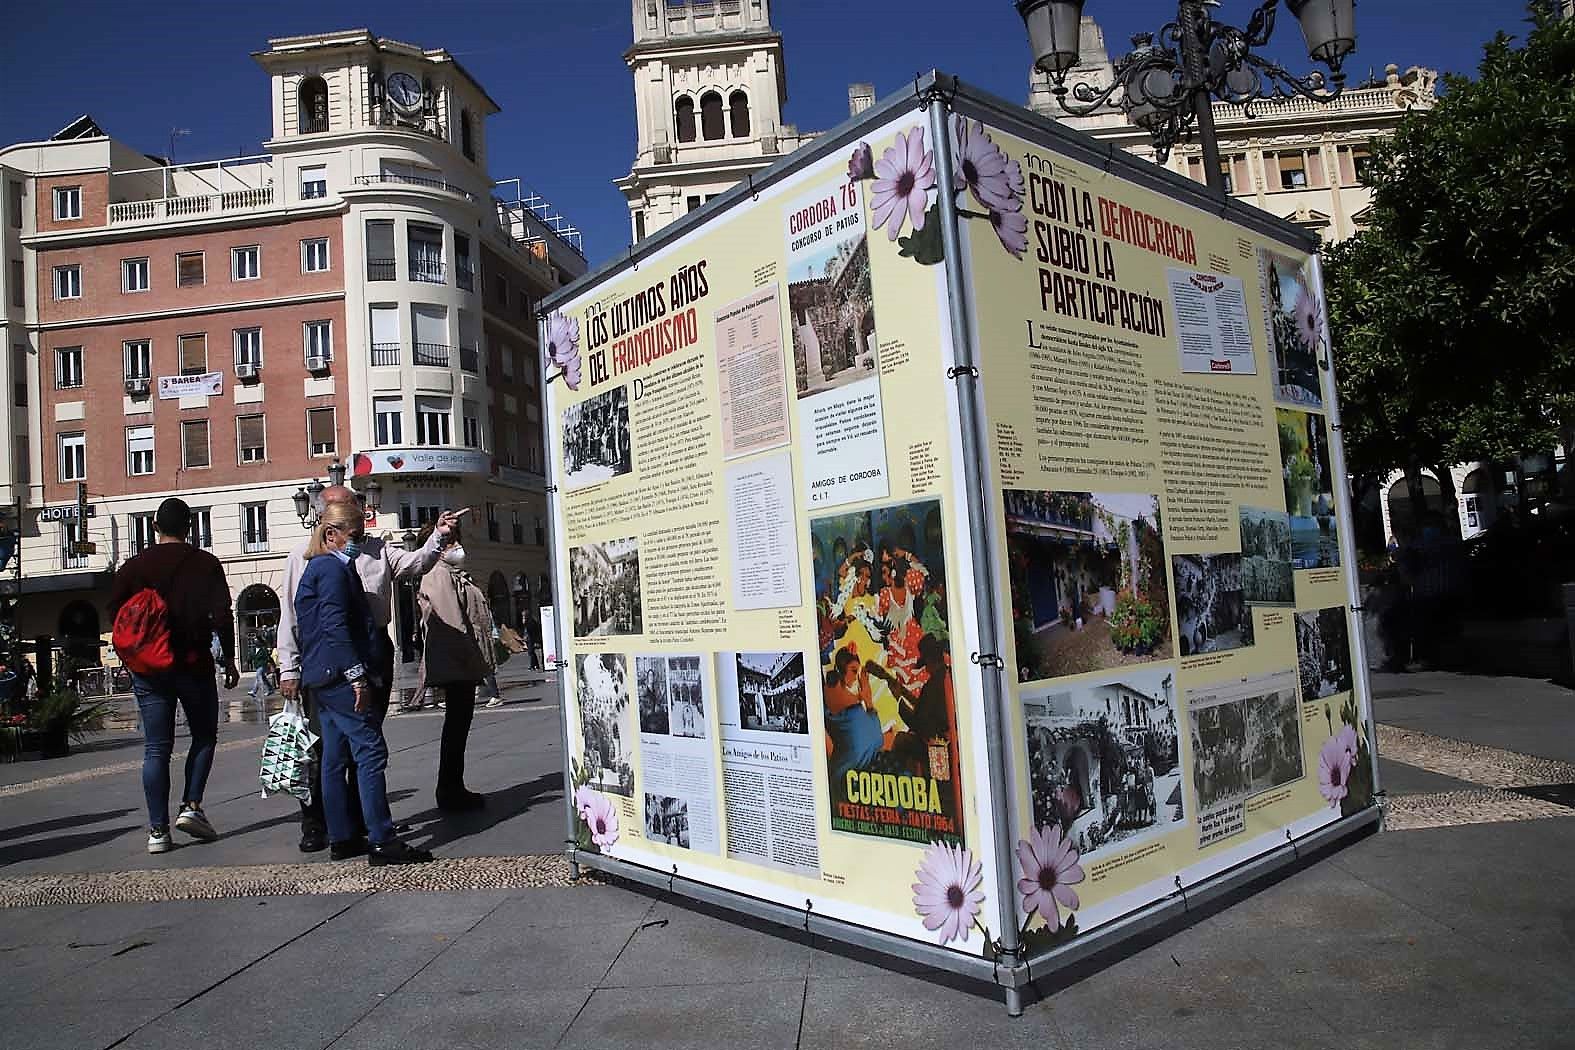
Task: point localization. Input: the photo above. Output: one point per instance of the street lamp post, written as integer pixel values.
(1168, 87)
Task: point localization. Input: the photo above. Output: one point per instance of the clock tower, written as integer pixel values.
(709, 84)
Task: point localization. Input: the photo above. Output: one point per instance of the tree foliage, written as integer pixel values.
(1453, 314)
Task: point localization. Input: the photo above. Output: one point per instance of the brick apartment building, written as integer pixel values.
(357, 298)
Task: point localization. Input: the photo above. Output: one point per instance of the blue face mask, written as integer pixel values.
(351, 549)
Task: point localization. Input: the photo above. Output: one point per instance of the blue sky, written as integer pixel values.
(556, 68)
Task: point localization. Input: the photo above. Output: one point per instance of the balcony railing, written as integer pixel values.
(314, 125)
(194, 207)
(434, 355)
(71, 560)
(254, 544)
(469, 359)
(465, 277)
(413, 180)
(381, 270)
(429, 271)
(385, 354)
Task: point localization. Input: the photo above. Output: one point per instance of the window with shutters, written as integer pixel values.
(73, 456)
(1293, 170)
(245, 263)
(517, 528)
(138, 354)
(139, 450)
(68, 282)
(72, 533)
(380, 262)
(194, 450)
(189, 270)
(493, 531)
(318, 337)
(13, 204)
(388, 416)
(193, 354)
(470, 423)
(19, 374)
(425, 245)
(201, 534)
(314, 182)
(430, 325)
(250, 439)
(142, 535)
(254, 527)
(385, 334)
(248, 347)
(320, 431)
(432, 421)
(68, 367)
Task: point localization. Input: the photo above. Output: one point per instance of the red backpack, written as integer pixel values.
(141, 634)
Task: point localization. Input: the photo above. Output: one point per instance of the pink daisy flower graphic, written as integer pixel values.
(563, 348)
(602, 818)
(1050, 868)
(905, 175)
(982, 168)
(1012, 229)
(947, 895)
(1335, 761)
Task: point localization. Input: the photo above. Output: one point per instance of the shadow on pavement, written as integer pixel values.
(60, 823)
(63, 844)
(444, 828)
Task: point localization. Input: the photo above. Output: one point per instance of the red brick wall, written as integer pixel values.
(283, 378)
(95, 201)
(101, 295)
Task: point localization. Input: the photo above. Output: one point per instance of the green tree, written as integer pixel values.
(1453, 314)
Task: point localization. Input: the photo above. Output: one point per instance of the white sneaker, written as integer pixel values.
(496, 701)
(193, 823)
(159, 840)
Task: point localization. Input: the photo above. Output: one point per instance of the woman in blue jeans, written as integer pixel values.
(335, 627)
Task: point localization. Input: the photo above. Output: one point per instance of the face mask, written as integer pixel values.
(351, 549)
(455, 556)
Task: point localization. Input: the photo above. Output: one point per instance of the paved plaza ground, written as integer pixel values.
(1454, 929)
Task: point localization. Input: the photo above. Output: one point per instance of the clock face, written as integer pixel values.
(404, 90)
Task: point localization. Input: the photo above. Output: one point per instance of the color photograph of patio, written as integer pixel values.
(1088, 579)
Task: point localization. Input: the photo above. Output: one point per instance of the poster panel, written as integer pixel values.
(1172, 571)
(729, 422)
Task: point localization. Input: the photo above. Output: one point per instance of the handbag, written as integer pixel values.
(287, 765)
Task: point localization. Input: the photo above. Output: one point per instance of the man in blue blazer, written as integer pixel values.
(334, 623)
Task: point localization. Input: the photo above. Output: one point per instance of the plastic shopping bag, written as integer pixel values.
(287, 764)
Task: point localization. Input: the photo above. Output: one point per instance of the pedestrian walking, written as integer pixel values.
(456, 623)
(378, 564)
(339, 674)
(263, 669)
(175, 598)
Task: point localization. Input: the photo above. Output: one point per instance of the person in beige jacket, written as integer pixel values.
(457, 654)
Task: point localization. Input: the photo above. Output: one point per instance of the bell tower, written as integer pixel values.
(709, 84)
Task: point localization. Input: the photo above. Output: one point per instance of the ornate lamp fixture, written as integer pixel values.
(1167, 88)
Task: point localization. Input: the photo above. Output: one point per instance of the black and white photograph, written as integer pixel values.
(596, 438)
(771, 695)
(1219, 749)
(1323, 652)
(602, 690)
(1104, 759)
(1266, 574)
(667, 820)
(1212, 614)
(650, 683)
(686, 697)
(605, 581)
(1274, 738)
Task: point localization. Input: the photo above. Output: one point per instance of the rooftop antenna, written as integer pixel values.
(176, 133)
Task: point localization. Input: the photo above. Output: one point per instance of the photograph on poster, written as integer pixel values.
(604, 579)
(1309, 489)
(1246, 739)
(1089, 589)
(687, 695)
(667, 820)
(1211, 612)
(1294, 319)
(890, 712)
(601, 687)
(771, 695)
(1266, 576)
(596, 438)
(832, 314)
(1323, 652)
(1104, 759)
(650, 683)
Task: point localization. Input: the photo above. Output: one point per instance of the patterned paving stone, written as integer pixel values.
(1478, 806)
(1489, 766)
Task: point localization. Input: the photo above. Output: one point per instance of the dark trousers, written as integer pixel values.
(350, 735)
(459, 709)
(312, 812)
(157, 697)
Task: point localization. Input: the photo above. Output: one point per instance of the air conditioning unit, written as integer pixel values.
(317, 364)
(245, 371)
(137, 386)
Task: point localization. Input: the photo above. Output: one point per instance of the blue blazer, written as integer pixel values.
(334, 623)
